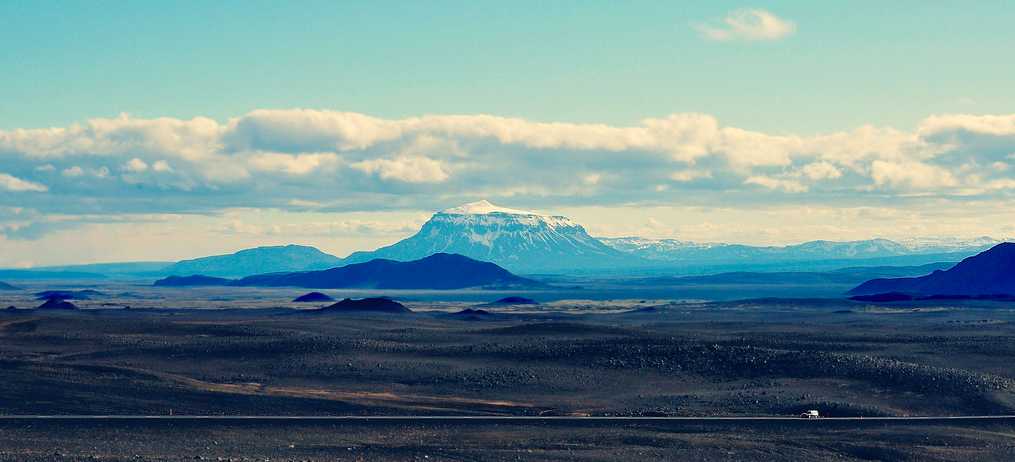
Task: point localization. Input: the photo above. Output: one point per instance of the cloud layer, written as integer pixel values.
(301, 160)
(749, 25)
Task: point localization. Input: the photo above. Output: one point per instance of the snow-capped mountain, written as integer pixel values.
(949, 244)
(515, 239)
(671, 250)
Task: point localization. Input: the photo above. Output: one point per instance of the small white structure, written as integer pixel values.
(811, 414)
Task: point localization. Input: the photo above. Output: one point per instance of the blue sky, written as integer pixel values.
(848, 64)
(349, 122)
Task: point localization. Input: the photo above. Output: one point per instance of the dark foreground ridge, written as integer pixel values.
(990, 273)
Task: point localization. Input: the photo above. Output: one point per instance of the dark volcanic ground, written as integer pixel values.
(767, 357)
(801, 440)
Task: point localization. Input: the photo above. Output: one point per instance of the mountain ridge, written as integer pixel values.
(991, 272)
(257, 260)
(435, 272)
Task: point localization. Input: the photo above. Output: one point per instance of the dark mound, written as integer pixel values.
(194, 280)
(366, 305)
(470, 314)
(57, 304)
(12, 308)
(6, 286)
(67, 294)
(515, 301)
(439, 271)
(991, 272)
(885, 297)
(313, 297)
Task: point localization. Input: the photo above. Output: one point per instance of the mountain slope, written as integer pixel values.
(988, 273)
(514, 239)
(439, 271)
(257, 261)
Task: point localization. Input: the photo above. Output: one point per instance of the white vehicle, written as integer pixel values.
(811, 414)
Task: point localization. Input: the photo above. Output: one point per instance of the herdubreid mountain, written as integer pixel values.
(991, 272)
(439, 271)
(515, 239)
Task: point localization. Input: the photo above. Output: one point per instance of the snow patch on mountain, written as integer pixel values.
(483, 207)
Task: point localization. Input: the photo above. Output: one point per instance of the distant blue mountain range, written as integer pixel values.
(258, 260)
(436, 272)
(534, 243)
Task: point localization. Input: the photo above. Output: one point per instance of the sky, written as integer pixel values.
(169, 130)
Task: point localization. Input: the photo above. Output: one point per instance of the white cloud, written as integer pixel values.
(592, 178)
(999, 125)
(73, 172)
(12, 183)
(301, 164)
(200, 165)
(748, 24)
(685, 176)
(406, 169)
(135, 165)
(162, 166)
(790, 186)
(911, 175)
(820, 171)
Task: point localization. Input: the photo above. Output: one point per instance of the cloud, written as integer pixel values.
(790, 186)
(300, 164)
(911, 175)
(820, 171)
(73, 172)
(747, 24)
(162, 166)
(14, 184)
(416, 169)
(329, 161)
(135, 165)
(688, 175)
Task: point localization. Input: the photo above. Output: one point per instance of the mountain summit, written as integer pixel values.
(514, 239)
